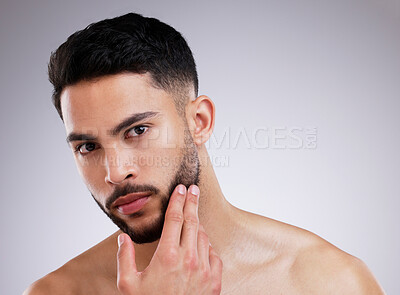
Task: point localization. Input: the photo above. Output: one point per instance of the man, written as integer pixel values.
(126, 90)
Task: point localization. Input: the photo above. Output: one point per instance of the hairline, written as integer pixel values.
(180, 94)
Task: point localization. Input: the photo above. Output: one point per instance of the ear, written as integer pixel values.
(201, 119)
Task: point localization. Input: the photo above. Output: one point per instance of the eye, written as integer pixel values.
(136, 131)
(86, 148)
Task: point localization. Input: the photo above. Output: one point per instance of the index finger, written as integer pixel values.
(171, 233)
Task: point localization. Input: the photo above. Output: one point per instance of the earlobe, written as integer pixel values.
(203, 116)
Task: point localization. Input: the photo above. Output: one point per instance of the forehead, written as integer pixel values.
(105, 101)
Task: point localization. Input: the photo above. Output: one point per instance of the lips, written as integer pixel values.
(129, 198)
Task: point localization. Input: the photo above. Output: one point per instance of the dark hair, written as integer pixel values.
(128, 43)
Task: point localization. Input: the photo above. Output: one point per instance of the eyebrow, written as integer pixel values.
(132, 119)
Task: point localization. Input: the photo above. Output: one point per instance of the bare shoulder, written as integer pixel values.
(80, 275)
(308, 264)
(60, 281)
(320, 267)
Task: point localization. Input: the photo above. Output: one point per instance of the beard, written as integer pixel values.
(188, 173)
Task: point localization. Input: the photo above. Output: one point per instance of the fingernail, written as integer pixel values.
(181, 189)
(121, 240)
(194, 190)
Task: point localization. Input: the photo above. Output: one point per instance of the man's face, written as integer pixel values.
(129, 141)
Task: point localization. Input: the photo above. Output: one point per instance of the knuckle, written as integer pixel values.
(203, 236)
(219, 262)
(191, 220)
(216, 287)
(122, 283)
(174, 216)
(190, 261)
(205, 274)
(169, 257)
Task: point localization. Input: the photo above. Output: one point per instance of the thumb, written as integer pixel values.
(126, 264)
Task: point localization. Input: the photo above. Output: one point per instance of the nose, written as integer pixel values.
(119, 165)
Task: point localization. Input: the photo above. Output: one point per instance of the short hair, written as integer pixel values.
(128, 43)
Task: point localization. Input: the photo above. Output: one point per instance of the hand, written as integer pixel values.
(184, 261)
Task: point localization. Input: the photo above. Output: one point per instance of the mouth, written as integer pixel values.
(131, 203)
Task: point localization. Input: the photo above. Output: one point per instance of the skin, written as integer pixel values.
(250, 254)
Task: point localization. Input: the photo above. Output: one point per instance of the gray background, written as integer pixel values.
(330, 65)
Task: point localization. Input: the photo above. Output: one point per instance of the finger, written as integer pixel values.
(216, 270)
(171, 234)
(126, 264)
(190, 219)
(203, 247)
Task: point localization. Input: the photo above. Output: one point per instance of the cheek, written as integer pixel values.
(90, 173)
(162, 151)
(158, 162)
